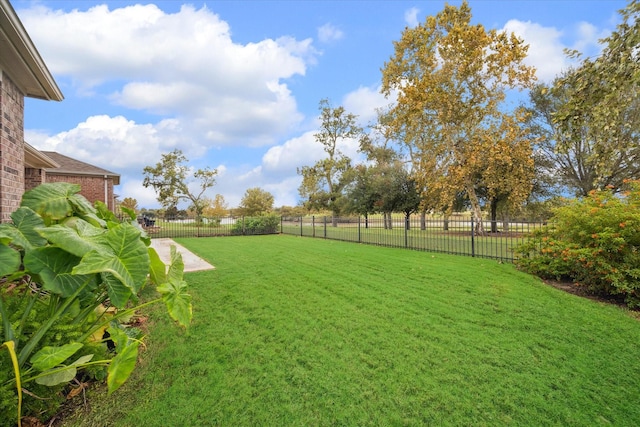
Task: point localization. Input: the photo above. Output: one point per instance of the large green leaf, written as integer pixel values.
(129, 212)
(26, 221)
(176, 268)
(67, 238)
(93, 219)
(174, 291)
(128, 259)
(118, 336)
(103, 212)
(22, 231)
(178, 301)
(82, 360)
(55, 267)
(118, 293)
(59, 376)
(51, 201)
(122, 365)
(64, 374)
(158, 271)
(49, 357)
(9, 260)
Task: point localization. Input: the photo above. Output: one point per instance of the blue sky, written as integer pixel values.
(236, 84)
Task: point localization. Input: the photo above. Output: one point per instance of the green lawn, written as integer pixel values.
(292, 331)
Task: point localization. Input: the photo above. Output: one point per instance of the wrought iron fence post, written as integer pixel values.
(244, 230)
(473, 241)
(406, 233)
(359, 240)
(300, 225)
(325, 226)
(313, 226)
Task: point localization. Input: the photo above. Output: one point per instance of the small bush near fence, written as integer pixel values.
(594, 242)
(269, 224)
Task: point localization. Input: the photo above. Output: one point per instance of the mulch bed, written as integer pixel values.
(580, 291)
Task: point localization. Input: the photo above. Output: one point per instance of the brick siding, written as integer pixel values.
(33, 177)
(92, 187)
(11, 147)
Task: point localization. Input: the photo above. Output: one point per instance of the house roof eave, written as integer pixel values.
(21, 60)
(36, 159)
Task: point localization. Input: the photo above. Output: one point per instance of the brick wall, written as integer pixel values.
(11, 147)
(92, 187)
(33, 177)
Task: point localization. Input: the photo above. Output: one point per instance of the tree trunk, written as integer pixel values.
(366, 220)
(505, 221)
(494, 214)
(445, 223)
(407, 220)
(334, 220)
(475, 210)
(423, 220)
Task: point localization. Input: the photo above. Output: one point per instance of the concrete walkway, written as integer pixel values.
(192, 262)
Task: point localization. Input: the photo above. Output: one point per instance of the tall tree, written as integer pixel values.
(323, 183)
(451, 78)
(361, 193)
(398, 192)
(216, 208)
(130, 203)
(597, 122)
(256, 201)
(567, 162)
(506, 172)
(171, 177)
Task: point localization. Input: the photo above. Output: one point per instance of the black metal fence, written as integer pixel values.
(209, 227)
(456, 235)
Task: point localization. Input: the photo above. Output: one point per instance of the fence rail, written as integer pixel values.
(452, 236)
(209, 227)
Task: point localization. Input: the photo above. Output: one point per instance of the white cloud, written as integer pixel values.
(285, 192)
(117, 143)
(296, 152)
(145, 197)
(364, 102)
(588, 37)
(328, 33)
(547, 44)
(411, 17)
(545, 47)
(183, 65)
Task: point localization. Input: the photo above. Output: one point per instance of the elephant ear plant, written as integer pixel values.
(70, 276)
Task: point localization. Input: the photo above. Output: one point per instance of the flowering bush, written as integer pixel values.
(594, 242)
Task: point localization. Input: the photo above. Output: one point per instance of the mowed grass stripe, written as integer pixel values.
(298, 331)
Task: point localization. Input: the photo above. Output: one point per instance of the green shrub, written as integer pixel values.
(268, 224)
(70, 272)
(595, 242)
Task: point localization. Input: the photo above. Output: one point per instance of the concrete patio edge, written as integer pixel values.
(192, 262)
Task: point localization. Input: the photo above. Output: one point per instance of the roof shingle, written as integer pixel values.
(70, 166)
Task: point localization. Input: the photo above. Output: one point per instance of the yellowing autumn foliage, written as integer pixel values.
(451, 78)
